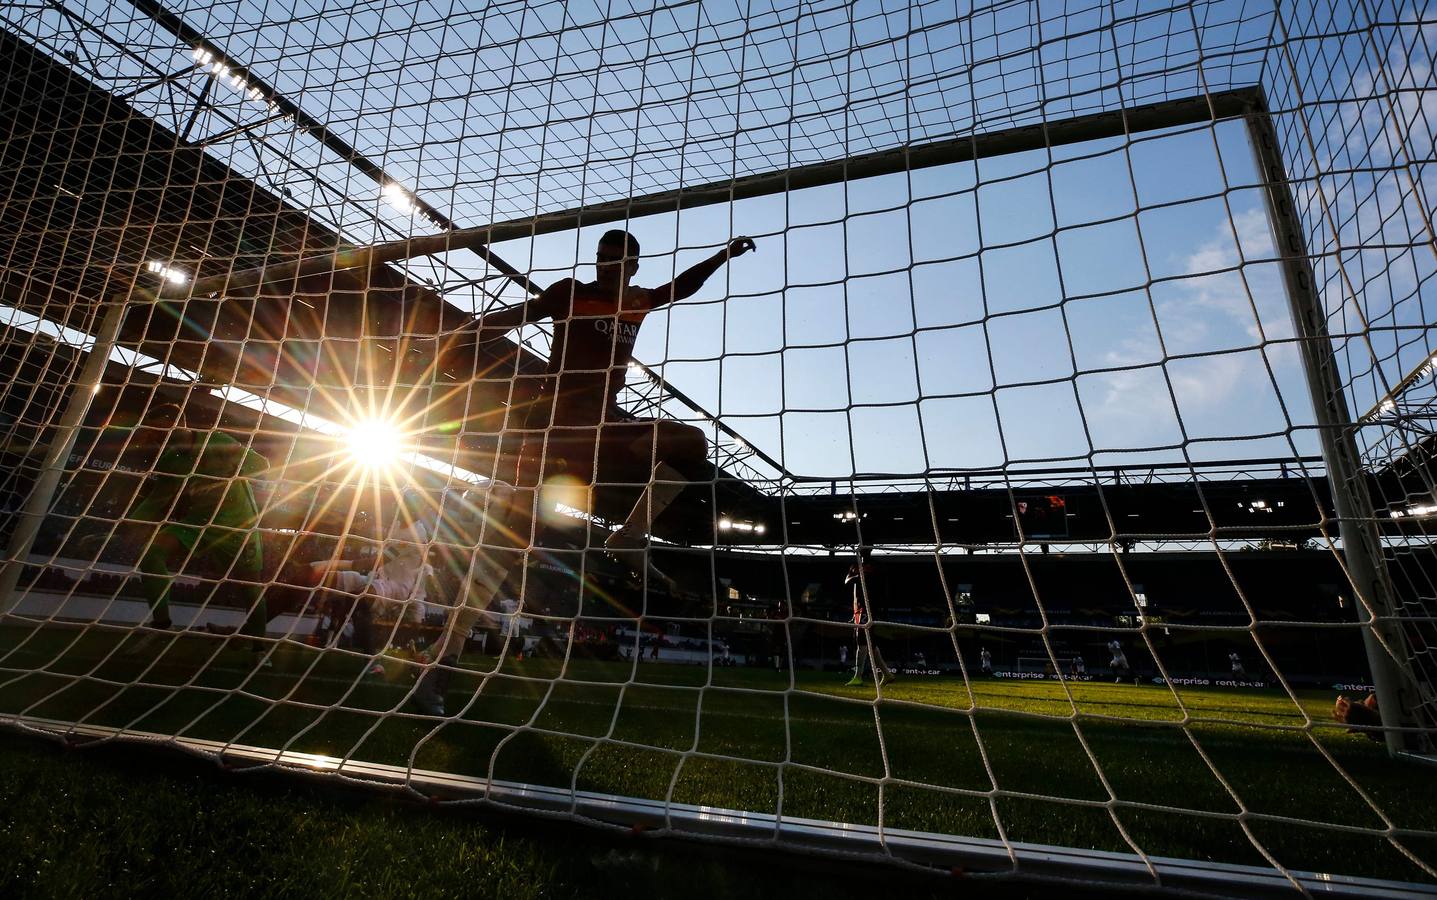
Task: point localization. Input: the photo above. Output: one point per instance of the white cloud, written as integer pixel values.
(1234, 300)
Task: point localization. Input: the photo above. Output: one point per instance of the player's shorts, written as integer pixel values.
(237, 550)
(612, 452)
(351, 582)
(389, 598)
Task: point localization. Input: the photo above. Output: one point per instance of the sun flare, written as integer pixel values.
(375, 443)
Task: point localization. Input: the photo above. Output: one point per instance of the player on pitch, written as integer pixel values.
(197, 504)
(202, 496)
(576, 430)
(859, 580)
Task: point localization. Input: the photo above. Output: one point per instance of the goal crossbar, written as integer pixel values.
(1126, 121)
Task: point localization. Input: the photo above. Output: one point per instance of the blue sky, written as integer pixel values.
(865, 346)
(995, 317)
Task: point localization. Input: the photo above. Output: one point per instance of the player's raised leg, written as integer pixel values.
(157, 574)
(673, 454)
(506, 521)
(158, 566)
(858, 654)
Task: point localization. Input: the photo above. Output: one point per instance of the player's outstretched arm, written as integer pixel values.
(324, 567)
(495, 324)
(23, 448)
(35, 450)
(688, 284)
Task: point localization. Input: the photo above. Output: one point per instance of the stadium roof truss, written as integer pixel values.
(240, 205)
(397, 313)
(342, 315)
(307, 308)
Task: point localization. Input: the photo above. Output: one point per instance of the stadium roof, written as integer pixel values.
(80, 222)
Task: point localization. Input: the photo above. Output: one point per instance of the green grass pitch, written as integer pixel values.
(113, 823)
(934, 754)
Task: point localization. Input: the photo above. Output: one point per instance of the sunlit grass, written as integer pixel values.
(111, 823)
(934, 754)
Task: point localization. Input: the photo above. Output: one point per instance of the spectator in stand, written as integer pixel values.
(1236, 663)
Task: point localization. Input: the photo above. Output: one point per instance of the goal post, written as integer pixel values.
(1401, 693)
(37, 503)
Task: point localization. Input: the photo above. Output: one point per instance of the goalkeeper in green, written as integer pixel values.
(201, 496)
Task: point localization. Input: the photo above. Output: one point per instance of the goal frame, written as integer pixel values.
(1397, 690)
(1361, 543)
(973, 858)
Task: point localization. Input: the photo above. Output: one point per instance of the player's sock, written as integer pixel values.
(486, 576)
(665, 485)
(155, 579)
(362, 619)
(254, 624)
(629, 544)
(433, 685)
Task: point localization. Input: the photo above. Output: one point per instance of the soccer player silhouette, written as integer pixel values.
(576, 429)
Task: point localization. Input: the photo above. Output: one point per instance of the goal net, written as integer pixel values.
(1003, 444)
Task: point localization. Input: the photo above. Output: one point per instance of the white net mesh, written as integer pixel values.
(1099, 330)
